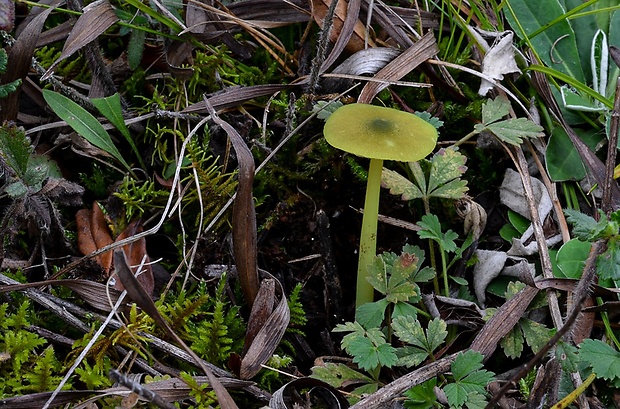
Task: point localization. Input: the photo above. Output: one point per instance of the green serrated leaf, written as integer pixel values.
(566, 355)
(446, 166)
(456, 395)
(410, 356)
(495, 109)
(371, 314)
(421, 396)
(16, 189)
(400, 185)
(377, 275)
(431, 229)
(512, 131)
(338, 374)
(325, 109)
(15, 148)
(468, 378)
(402, 292)
(536, 334)
(608, 263)
(404, 309)
(583, 225)
(83, 123)
(466, 363)
(603, 359)
(135, 48)
(476, 400)
(409, 330)
(512, 343)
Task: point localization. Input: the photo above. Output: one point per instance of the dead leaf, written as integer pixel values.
(356, 42)
(97, 18)
(20, 59)
(101, 236)
(136, 254)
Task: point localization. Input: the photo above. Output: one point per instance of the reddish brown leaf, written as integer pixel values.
(101, 236)
(85, 241)
(135, 253)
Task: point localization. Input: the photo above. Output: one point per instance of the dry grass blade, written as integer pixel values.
(348, 27)
(37, 400)
(415, 55)
(270, 334)
(137, 294)
(234, 96)
(270, 13)
(319, 11)
(97, 18)
(95, 294)
(20, 58)
(244, 214)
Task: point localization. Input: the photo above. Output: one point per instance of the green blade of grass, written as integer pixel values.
(111, 108)
(83, 123)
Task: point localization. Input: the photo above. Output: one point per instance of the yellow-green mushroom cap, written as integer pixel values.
(380, 133)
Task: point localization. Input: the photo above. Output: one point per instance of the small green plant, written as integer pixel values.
(27, 364)
(466, 386)
(6, 89)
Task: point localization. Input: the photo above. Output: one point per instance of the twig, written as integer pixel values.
(145, 393)
(611, 152)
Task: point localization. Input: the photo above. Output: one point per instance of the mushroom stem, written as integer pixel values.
(368, 237)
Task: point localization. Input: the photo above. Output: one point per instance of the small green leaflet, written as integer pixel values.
(422, 345)
(511, 131)
(447, 166)
(421, 396)
(323, 109)
(368, 348)
(469, 379)
(83, 123)
(338, 374)
(603, 359)
(431, 229)
(15, 148)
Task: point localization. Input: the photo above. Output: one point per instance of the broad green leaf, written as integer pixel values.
(603, 359)
(371, 314)
(512, 343)
(518, 222)
(338, 374)
(446, 166)
(111, 108)
(563, 161)
(512, 131)
(571, 258)
(466, 363)
(15, 148)
(400, 185)
(377, 275)
(536, 334)
(456, 395)
(566, 354)
(608, 263)
(410, 356)
(583, 225)
(468, 378)
(476, 400)
(424, 275)
(83, 123)
(402, 292)
(369, 352)
(421, 396)
(495, 109)
(554, 44)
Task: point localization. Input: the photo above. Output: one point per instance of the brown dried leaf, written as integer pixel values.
(101, 236)
(268, 338)
(85, 241)
(135, 253)
(356, 42)
(97, 18)
(20, 58)
(402, 65)
(261, 310)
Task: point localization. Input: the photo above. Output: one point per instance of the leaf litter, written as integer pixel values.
(381, 43)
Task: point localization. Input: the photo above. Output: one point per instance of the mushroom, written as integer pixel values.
(380, 134)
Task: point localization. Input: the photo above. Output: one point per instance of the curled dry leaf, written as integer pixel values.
(94, 234)
(356, 42)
